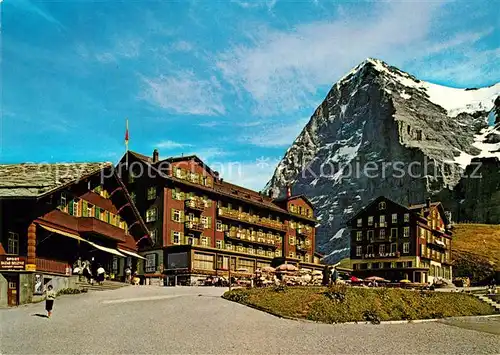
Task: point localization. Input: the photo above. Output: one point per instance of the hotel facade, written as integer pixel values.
(201, 225)
(396, 242)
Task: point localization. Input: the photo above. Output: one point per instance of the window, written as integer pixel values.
(277, 253)
(422, 232)
(219, 244)
(176, 237)
(406, 247)
(190, 240)
(407, 217)
(203, 261)
(369, 249)
(394, 218)
(205, 241)
(382, 221)
(218, 226)
(370, 220)
(381, 234)
(63, 200)
(394, 247)
(406, 232)
(131, 177)
(381, 249)
(370, 235)
(360, 222)
(73, 208)
(153, 234)
(133, 197)
(151, 214)
(381, 205)
(150, 263)
(251, 250)
(89, 210)
(394, 232)
(292, 254)
(205, 221)
(359, 236)
(151, 193)
(13, 243)
(393, 264)
(369, 265)
(359, 250)
(176, 215)
(291, 240)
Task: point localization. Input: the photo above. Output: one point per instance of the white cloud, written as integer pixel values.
(252, 175)
(208, 154)
(209, 124)
(184, 93)
(168, 144)
(284, 70)
(275, 134)
(182, 46)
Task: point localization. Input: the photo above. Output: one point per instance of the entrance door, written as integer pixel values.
(12, 293)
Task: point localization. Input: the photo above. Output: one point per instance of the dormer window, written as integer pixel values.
(359, 222)
(381, 205)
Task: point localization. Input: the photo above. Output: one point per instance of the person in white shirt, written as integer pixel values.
(50, 296)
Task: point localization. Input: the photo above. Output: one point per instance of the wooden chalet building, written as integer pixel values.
(202, 225)
(397, 242)
(53, 214)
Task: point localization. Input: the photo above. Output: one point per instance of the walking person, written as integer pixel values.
(50, 296)
(100, 274)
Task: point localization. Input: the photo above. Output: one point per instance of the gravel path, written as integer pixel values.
(185, 320)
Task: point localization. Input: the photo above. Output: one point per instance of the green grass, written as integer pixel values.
(340, 304)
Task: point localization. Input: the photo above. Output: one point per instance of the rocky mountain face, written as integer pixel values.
(381, 131)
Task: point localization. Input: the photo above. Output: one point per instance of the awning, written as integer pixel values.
(108, 250)
(131, 253)
(438, 242)
(58, 231)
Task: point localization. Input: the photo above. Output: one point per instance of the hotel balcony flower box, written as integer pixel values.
(195, 205)
(195, 226)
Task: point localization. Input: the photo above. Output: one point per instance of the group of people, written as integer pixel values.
(91, 270)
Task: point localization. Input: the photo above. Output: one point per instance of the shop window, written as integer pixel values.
(150, 263)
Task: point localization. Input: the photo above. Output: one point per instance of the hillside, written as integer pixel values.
(476, 250)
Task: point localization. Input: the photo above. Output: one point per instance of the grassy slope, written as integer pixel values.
(476, 251)
(359, 304)
(482, 240)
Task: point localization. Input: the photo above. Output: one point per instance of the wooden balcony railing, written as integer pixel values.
(243, 238)
(198, 227)
(53, 266)
(251, 219)
(195, 205)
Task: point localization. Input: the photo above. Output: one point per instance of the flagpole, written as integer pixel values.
(126, 143)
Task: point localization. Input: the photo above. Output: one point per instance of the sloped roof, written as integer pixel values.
(35, 180)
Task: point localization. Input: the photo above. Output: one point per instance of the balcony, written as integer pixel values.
(195, 226)
(250, 219)
(195, 205)
(259, 241)
(52, 266)
(302, 232)
(94, 225)
(301, 247)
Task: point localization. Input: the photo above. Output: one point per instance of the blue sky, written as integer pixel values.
(233, 81)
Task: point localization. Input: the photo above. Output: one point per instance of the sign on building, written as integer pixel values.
(12, 263)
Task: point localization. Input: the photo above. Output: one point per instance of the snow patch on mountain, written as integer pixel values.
(338, 234)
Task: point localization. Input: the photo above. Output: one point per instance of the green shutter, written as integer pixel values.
(97, 213)
(70, 207)
(182, 216)
(172, 214)
(84, 208)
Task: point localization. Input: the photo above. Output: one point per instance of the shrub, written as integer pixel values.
(239, 296)
(336, 292)
(371, 316)
(69, 291)
(279, 288)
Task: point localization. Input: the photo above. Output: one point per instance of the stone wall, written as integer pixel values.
(3, 291)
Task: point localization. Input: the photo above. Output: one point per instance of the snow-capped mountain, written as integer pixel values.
(381, 131)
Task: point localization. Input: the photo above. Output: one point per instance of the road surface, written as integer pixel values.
(195, 320)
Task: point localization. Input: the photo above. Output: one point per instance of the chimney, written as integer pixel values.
(428, 202)
(156, 156)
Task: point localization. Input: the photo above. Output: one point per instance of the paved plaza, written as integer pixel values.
(195, 320)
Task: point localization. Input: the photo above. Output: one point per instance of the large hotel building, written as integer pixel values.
(201, 225)
(397, 242)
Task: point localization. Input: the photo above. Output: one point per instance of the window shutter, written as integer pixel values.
(70, 207)
(172, 236)
(182, 216)
(172, 214)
